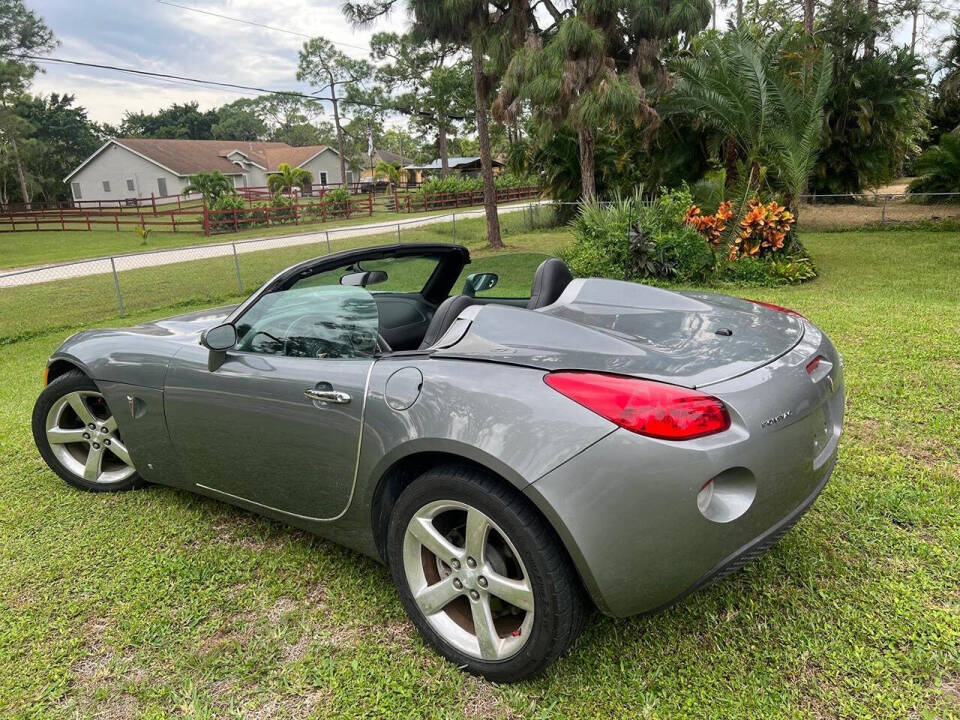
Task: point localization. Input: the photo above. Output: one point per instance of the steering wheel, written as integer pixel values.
(383, 345)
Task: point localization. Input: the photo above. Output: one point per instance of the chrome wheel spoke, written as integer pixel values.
(471, 562)
(79, 406)
(120, 450)
(484, 628)
(91, 469)
(434, 598)
(423, 529)
(60, 436)
(476, 534)
(110, 424)
(515, 592)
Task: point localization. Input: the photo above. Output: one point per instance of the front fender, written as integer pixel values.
(117, 356)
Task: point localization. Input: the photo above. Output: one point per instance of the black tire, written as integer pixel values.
(70, 382)
(560, 603)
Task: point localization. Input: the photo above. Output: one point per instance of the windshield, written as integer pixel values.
(403, 274)
(317, 321)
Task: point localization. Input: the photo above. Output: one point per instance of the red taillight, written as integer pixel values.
(649, 408)
(814, 364)
(788, 311)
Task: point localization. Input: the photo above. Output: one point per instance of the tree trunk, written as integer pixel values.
(870, 44)
(808, 16)
(739, 11)
(442, 147)
(336, 122)
(494, 241)
(915, 12)
(15, 151)
(588, 169)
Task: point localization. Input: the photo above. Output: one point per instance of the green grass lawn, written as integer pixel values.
(25, 249)
(160, 604)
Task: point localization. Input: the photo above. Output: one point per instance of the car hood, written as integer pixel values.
(186, 327)
(689, 339)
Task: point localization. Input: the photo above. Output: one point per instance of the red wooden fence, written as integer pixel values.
(416, 202)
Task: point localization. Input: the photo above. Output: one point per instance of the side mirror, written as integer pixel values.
(362, 279)
(218, 340)
(479, 282)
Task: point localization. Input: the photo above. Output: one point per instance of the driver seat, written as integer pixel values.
(443, 318)
(549, 282)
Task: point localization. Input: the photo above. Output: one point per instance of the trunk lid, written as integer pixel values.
(689, 339)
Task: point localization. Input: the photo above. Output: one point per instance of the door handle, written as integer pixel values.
(330, 396)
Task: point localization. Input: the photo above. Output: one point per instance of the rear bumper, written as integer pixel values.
(627, 507)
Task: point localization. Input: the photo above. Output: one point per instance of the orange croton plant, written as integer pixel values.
(762, 231)
(710, 226)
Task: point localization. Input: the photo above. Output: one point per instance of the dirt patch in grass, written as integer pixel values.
(481, 702)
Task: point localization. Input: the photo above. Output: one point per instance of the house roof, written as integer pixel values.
(392, 158)
(455, 163)
(185, 157)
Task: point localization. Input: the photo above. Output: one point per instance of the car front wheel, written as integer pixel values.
(482, 576)
(77, 436)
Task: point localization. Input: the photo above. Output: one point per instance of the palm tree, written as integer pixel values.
(592, 68)
(286, 178)
(388, 171)
(210, 185)
(764, 102)
(939, 167)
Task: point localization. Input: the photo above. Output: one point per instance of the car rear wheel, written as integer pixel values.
(78, 437)
(482, 576)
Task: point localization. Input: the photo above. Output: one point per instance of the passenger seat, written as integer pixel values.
(443, 318)
(549, 282)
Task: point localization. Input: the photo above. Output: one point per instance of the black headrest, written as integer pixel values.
(446, 313)
(549, 282)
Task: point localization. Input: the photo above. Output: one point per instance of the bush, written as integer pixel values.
(667, 239)
(939, 170)
(226, 220)
(601, 245)
(662, 244)
(337, 202)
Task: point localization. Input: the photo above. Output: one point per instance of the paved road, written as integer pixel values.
(103, 265)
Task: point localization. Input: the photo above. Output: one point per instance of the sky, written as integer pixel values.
(150, 35)
(156, 35)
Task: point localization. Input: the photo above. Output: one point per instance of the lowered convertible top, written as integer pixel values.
(690, 339)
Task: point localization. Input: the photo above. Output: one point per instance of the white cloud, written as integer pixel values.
(152, 36)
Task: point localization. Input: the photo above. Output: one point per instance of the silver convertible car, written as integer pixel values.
(515, 461)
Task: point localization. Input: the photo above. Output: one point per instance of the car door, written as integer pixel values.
(278, 422)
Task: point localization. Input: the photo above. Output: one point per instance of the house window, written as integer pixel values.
(77, 195)
(106, 186)
(323, 177)
(162, 186)
(349, 177)
(130, 186)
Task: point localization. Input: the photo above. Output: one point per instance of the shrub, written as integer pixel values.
(939, 169)
(601, 246)
(668, 238)
(223, 221)
(711, 227)
(664, 246)
(337, 202)
(762, 231)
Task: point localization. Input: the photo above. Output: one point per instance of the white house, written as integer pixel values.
(128, 168)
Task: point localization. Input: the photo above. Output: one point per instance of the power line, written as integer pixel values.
(232, 86)
(256, 24)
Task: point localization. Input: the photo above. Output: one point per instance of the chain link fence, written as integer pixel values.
(836, 213)
(67, 295)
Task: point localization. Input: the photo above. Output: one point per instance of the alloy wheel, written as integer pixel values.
(83, 436)
(468, 580)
